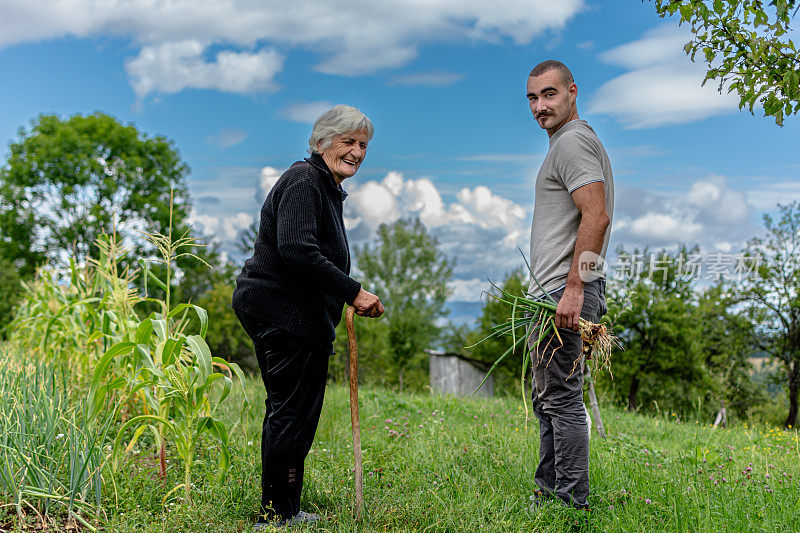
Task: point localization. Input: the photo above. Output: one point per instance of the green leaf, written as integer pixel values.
(157, 281)
(172, 350)
(161, 329)
(202, 315)
(100, 371)
(144, 331)
(135, 422)
(199, 348)
(236, 372)
(218, 430)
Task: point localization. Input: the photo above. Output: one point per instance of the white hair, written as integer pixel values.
(338, 120)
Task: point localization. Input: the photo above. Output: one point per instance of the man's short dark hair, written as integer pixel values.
(552, 64)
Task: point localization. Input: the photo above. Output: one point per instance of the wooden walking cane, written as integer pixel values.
(356, 426)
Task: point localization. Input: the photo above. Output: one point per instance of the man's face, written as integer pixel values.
(552, 102)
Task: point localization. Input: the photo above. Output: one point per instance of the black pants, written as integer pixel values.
(558, 404)
(294, 373)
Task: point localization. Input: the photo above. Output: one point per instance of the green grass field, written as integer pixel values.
(435, 463)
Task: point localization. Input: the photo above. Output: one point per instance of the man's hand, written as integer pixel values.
(568, 312)
(367, 304)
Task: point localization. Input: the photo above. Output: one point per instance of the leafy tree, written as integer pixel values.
(772, 296)
(653, 315)
(747, 49)
(68, 181)
(727, 341)
(10, 289)
(410, 274)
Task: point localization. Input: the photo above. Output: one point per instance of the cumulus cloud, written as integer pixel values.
(662, 87)
(227, 137)
(172, 67)
(664, 227)
(306, 112)
(467, 290)
(266, 181)
(709, 213)
(716, 202)
(221, 228)
(350, 38)
(479, 228)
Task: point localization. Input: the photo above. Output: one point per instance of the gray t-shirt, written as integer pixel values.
(576, 157)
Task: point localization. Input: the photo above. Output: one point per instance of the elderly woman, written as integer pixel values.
(289, 299)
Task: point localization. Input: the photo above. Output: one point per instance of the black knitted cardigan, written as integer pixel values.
(298, 278)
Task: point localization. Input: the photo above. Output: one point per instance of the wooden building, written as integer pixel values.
(453, 373)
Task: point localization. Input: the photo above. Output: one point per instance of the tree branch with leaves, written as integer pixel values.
(747, 47)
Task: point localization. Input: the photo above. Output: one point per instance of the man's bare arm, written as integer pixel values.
(591, 202)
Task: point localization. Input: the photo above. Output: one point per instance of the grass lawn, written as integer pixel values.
(435, 463)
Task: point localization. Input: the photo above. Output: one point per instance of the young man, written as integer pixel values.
(569, 237)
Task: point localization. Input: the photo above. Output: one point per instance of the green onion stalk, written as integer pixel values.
(533, 320)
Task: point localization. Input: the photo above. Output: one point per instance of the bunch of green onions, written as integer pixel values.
(533, 320)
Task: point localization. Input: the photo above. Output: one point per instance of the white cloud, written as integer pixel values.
(428, 79)
(224, 229)
(665, 227)
(172, 67)
(657, 46)
(307, 112)
(718, 202)
(467, 290)
(375, 203)
(351, 38)
(266, 181)
(770, 194)
(479, 228)
(663, 85)
(227, 137)
(709, 213)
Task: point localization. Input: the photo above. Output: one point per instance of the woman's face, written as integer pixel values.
(345, 154)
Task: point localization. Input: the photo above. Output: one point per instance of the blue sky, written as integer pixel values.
(236, 84)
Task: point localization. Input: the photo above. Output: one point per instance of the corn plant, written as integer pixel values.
(75, 319)
(174, 373)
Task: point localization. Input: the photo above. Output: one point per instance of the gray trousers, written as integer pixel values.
(563, 468)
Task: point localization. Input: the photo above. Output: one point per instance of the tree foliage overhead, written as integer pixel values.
(773, 296)
(409, 273)
(748, 49)
(67, 181)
